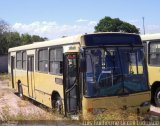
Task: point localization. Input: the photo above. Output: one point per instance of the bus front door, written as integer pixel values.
(30, 75)
(71, 85)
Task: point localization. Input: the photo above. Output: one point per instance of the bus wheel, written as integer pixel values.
(157, 97)
(57, 104)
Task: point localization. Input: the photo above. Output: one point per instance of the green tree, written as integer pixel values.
(26, 39)
(4, 27)
(13, 39)
(9, 38)
(36, 38)
(107, 24)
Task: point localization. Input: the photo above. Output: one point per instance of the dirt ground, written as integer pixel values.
(13, 108)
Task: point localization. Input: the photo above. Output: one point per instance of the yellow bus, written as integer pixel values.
(83, 74)
(152, 51)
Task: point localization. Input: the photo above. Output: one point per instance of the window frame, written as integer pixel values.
(19, 60)
(149, 53)
(24, 60)
(38, 58)
(55, 61)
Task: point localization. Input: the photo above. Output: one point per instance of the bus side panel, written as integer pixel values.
(21, 75)
(154, 74)
(44, 86)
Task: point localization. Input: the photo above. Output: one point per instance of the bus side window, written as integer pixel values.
(43, 60)
(24, 60)
(56, 61)
(19, 60)
(154, 53)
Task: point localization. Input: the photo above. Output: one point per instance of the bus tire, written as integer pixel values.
(157, 97)
(57, 104)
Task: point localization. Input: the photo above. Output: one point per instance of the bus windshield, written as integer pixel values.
(114, 71)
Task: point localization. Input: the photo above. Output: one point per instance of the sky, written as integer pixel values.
(57, 18)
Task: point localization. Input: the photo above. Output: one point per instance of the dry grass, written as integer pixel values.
(114, 115)
(123, 116)
(52, 112)
(117, 115)
(49, 115)
(21, 116)
(22, 103)
(5, 113)
(1, 94)
(4, 76)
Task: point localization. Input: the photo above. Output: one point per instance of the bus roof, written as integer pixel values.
(150, 37)
(61, 41)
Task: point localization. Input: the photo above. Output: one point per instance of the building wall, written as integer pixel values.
(3, 63)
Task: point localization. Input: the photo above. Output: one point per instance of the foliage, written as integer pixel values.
(107, 24)
(10, 38)
(36, 38)
(26, 39)
(3, 26)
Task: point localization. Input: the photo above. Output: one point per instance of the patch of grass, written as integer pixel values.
(4, 76)
(5, 113)
(7, 116)
(34, 116)
(52, 112)
(1, 94)
(117, 115)
(155, 118)
(22, 103)
(124, 116)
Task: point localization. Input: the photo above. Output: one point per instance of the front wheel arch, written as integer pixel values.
(56, 102)
(154, 89)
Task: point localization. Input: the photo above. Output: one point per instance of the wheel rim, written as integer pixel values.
(57, 105)
(158, 96)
